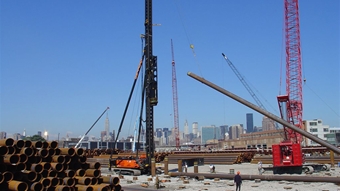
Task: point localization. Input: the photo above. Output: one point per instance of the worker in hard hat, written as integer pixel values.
(238, 181)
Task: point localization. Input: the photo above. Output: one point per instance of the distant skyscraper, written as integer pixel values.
(235, 131)
(3, 135)
(186, 128)
(39, 133)
(24, 133)
(210, 133)
(107, 127)
(195, 128)
(159, 132)
(224, 130)
(267, 124)
(250, 122)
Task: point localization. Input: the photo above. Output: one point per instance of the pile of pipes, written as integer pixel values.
(42, 166)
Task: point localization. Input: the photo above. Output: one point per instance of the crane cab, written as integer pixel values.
(287, 158)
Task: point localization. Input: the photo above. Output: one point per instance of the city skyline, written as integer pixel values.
(61, 66)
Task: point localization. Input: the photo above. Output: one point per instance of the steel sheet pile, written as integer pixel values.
(42, 166)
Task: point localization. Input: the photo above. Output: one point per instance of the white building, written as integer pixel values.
(316, 128)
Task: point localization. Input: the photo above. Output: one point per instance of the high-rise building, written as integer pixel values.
(16, 136)
(224, 130)
(39, 133)
(195, 129)
(235, 131)
(3, 135)
(159, 132)
(208, 133)
(107, 128)
(186, 128)
(267, 124)
(250, 122)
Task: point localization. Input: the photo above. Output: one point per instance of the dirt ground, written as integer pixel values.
(191, 184)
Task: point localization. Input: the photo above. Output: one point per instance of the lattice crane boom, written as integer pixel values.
(175, 97)
(245, 84)
(291, 103)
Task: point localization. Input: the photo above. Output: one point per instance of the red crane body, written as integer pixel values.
(287, 156)
(175, 98)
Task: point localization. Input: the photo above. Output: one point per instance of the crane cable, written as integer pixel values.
(192, 47)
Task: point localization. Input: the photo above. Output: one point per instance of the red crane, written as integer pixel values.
(287, 156)
(175, 98)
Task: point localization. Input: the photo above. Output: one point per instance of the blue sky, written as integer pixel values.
(64, 62)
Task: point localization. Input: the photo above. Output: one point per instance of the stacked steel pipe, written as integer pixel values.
(42, 166)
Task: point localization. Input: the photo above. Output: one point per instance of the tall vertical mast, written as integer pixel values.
(175, 98)
(293, 99)
(151, 82)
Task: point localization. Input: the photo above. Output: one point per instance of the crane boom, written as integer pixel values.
(81, 139)
(175, 98)
(287, 155)
(259, 103)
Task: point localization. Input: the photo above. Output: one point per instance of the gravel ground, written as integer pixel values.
(177, 183)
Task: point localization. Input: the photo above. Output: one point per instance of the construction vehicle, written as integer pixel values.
(136, 165)
(287, 155)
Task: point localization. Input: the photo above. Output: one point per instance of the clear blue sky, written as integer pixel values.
(64, 62)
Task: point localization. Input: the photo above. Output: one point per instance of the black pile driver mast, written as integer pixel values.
(151, 99)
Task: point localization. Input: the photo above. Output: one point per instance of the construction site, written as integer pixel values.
(287, 165)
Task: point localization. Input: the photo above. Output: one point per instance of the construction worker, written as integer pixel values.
(212, 168)
(259, 167)
(238, 181)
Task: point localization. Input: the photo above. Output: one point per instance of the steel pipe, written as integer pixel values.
(45, 145)
(58, 158)
(36, 186)
(28, 143)
(38, 168)
(80, 172)
(262, 177)
(1, 178)
(57, 151)
(69, 181)
(3, 150)
(94, 181)
(83, 180)
(67, 151)
(112, 180)
(17, 185)
(22, 158)
(70, 173)
(84, 188)
(79, 151)
(27, 151)
(45, 182)
(54, 181)
(53, 144)
(21, 166)
(43, 152)
(52, 173)
(7, 142)
(29, 176)
(101, 187)
(94, 165)
(37, 144)
(8, 176)
(61, 188)
(57, 166)
(11, 150)
(92, 172)
(11, 159)
(266, 113)
(19, 143)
